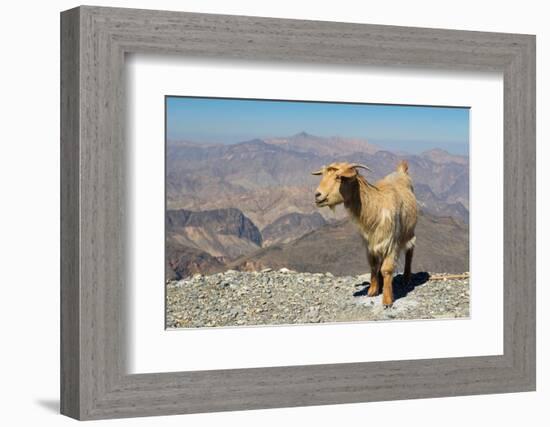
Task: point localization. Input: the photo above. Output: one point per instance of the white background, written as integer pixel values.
(154, 350)
(29, 177)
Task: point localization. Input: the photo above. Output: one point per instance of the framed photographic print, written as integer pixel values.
(342, 212)
(247, 240)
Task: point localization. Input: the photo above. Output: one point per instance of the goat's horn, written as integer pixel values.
(319, 172)
(357, 165)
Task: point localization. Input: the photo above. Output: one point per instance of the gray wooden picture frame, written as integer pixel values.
(94, 41)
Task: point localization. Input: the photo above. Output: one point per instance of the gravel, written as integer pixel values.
(269, 297)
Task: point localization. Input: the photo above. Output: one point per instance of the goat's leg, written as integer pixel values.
(408, 263)
(375, 282)
(388, 266)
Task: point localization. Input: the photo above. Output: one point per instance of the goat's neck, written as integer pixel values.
(361, 203)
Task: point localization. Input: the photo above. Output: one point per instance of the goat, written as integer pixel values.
(385, 213)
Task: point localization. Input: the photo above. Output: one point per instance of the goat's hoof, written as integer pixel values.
(386, 306)
(372, 292)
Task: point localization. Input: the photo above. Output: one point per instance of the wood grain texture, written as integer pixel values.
(94, 382)
(70, 220)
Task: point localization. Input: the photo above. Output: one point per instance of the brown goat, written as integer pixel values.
(384, 212)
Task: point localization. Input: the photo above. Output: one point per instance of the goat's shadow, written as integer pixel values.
(400, 288)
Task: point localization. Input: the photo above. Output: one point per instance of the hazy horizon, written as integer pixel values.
(412, 129)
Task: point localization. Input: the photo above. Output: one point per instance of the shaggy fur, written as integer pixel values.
(385, 213)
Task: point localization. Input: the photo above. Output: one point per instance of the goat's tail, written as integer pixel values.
(403, 166)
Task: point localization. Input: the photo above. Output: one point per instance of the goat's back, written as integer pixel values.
(397, 188)
(397, 181)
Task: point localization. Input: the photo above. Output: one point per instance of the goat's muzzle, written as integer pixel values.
(320, 199)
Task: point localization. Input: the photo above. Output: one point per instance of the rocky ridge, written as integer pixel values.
(268, 297)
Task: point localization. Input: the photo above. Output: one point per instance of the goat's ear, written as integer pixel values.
(348, 172)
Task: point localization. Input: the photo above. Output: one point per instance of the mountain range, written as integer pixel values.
(251, 204)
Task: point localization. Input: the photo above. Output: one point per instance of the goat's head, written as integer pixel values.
(337, 180)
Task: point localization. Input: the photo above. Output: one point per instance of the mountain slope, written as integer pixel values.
(291, 226)
(219, 232)
(442, 245)
(183, 261)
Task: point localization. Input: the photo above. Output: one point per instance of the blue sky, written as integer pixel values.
(395, 127)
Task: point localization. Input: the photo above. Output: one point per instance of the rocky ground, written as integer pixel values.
(235, 298)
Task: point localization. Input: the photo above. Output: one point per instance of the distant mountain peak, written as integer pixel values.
(439, 155)
(303, 134)
(435, 151)
(252, 141)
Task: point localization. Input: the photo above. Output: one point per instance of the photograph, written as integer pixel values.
(282, 212)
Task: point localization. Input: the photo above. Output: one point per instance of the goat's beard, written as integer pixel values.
(332, 207)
